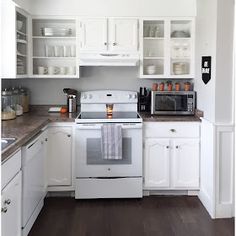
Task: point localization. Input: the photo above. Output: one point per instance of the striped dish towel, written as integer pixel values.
(111, 141)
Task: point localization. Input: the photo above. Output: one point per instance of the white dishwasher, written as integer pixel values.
(32, 181)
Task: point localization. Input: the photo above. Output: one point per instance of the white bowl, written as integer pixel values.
(19, 25)
(151, 69)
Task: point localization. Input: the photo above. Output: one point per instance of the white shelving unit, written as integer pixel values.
(167, 45)
(54, 47)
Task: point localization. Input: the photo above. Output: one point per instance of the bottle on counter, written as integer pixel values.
(8, 105)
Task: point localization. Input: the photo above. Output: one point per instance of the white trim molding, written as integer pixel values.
(217, 169)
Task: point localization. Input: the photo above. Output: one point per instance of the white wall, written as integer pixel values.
(114, 7)
(224, 63)
(206, 30)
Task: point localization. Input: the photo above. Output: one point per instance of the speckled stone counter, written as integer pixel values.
(147, 117)
(25, 127)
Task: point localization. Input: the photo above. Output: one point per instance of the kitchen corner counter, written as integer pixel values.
(25, 127)
(147, 117)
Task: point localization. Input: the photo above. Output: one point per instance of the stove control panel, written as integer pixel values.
(108, 96)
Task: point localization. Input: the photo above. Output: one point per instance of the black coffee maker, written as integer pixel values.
(144, 100)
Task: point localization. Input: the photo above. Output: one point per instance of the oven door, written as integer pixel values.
(170, 104)
(89, 159)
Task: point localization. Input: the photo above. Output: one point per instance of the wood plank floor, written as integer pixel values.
(150, 216)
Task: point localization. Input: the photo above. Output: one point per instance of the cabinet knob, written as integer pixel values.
(109, 169)
(68, 135)
(114, 44)
(8, 201)
(173, 130)
(167, 147)
(4, 209)
(46, 139)
(105, 43)
(176, 147)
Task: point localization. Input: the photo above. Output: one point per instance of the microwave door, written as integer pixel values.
(171, 103)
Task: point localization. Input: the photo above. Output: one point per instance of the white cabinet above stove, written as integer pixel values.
(109, 42)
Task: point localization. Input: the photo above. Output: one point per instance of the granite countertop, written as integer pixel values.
(147, 117)
(25, 127)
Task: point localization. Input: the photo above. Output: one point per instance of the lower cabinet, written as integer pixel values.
(185, 163)
(157, 162)
(171, 161)
(59, 156)
(11, 208)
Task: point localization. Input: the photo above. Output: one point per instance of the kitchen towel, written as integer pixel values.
(111, 141)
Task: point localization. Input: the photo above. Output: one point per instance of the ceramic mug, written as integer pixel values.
(62, 70)
(42, 70)
(52, 70)
(71, 70)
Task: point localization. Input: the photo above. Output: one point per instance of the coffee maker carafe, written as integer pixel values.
(71, 99)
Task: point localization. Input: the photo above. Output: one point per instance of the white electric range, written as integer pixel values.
(101, 178)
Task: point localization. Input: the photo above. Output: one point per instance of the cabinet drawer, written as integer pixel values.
(10, 168)
(171, 129)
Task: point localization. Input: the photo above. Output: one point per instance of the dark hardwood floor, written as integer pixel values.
(150, 216)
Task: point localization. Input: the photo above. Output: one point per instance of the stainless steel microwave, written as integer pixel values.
(173, 103)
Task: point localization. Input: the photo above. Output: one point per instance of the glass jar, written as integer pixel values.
(8, 106)
(24, 97)
(17, 102)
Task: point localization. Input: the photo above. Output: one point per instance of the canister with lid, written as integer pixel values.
(24, 96)
(8, 106)
(17, 102)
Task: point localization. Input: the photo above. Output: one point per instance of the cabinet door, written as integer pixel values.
(59, 156)
(124, 35)
(156, 162)
(186, 163)
(93, 35)
(11, 208)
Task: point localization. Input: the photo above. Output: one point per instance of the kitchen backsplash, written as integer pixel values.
(50, 91)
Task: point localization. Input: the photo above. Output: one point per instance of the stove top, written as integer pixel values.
(103, 117)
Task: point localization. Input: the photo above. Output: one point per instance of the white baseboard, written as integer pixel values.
(207, 202)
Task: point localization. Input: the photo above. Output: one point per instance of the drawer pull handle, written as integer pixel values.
(173, 130)
(167, 147)
(8, 201)
(4, 209)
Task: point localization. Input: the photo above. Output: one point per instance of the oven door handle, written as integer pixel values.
(98, 126)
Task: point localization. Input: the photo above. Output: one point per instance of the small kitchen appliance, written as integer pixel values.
(99, 177)
(144, 100)
(71, 99)
(173, 102)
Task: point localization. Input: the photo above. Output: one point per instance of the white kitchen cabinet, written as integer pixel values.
(124, 35)
(168, 44)
(11, 196)
(171, 155)
(185, 163)
(54, 47)
(93, 34)
(59, 157)
(14, 41)
(11, 208)
(157, 162)
(109, 35)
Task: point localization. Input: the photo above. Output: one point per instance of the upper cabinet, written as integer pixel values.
(93, 35)
(15, 41)
(167, 48)
(123, 35)
(54, 48)
(109, 35)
